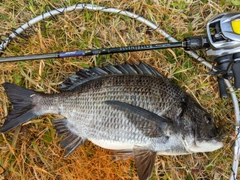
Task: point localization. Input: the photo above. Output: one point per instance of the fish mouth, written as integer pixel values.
(208, 144)
(209, 137)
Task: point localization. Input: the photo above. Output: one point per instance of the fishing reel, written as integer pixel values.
(222, 47)
(223, 33)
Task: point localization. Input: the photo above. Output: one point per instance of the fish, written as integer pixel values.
(130, 108)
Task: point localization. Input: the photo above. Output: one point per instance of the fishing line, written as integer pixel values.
(80, 7)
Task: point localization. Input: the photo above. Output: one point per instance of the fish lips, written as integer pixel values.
(210, 143)
(207, 145)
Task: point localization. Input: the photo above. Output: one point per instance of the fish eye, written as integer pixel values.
(207, 119)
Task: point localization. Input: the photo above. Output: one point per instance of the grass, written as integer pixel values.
(33, 151)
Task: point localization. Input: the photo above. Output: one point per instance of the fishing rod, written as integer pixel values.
(222, 46)
(189, 44)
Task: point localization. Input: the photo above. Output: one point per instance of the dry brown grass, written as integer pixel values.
(32, 152)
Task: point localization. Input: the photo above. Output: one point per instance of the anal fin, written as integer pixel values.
(71, 140)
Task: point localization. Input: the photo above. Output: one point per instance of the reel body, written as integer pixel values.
(224, 48)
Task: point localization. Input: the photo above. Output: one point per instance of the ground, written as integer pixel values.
(33, 152)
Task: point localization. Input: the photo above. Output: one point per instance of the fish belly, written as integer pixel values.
(114, 145)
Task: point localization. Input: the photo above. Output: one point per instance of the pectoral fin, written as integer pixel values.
(148, 122)
(144, 161)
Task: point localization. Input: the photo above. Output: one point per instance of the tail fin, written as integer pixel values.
(21, 100)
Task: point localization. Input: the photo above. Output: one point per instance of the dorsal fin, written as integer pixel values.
(88, 74)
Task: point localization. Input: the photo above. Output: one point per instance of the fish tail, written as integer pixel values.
(21, 100)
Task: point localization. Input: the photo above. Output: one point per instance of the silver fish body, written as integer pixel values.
(128, 108)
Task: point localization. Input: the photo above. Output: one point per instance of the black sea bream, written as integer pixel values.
(132, 109)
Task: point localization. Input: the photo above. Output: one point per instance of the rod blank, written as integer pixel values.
(92, 52)
(29, 57)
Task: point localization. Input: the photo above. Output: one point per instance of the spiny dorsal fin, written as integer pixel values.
(71, 140)
(88, 74)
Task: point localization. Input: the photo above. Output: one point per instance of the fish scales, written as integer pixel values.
(144, 91)
(132, 109)
(85, 107)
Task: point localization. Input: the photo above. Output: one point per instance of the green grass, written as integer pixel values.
(33, 151)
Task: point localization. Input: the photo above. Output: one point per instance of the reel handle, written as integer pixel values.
(222, 87)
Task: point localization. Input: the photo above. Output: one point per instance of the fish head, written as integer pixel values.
(204, 136)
